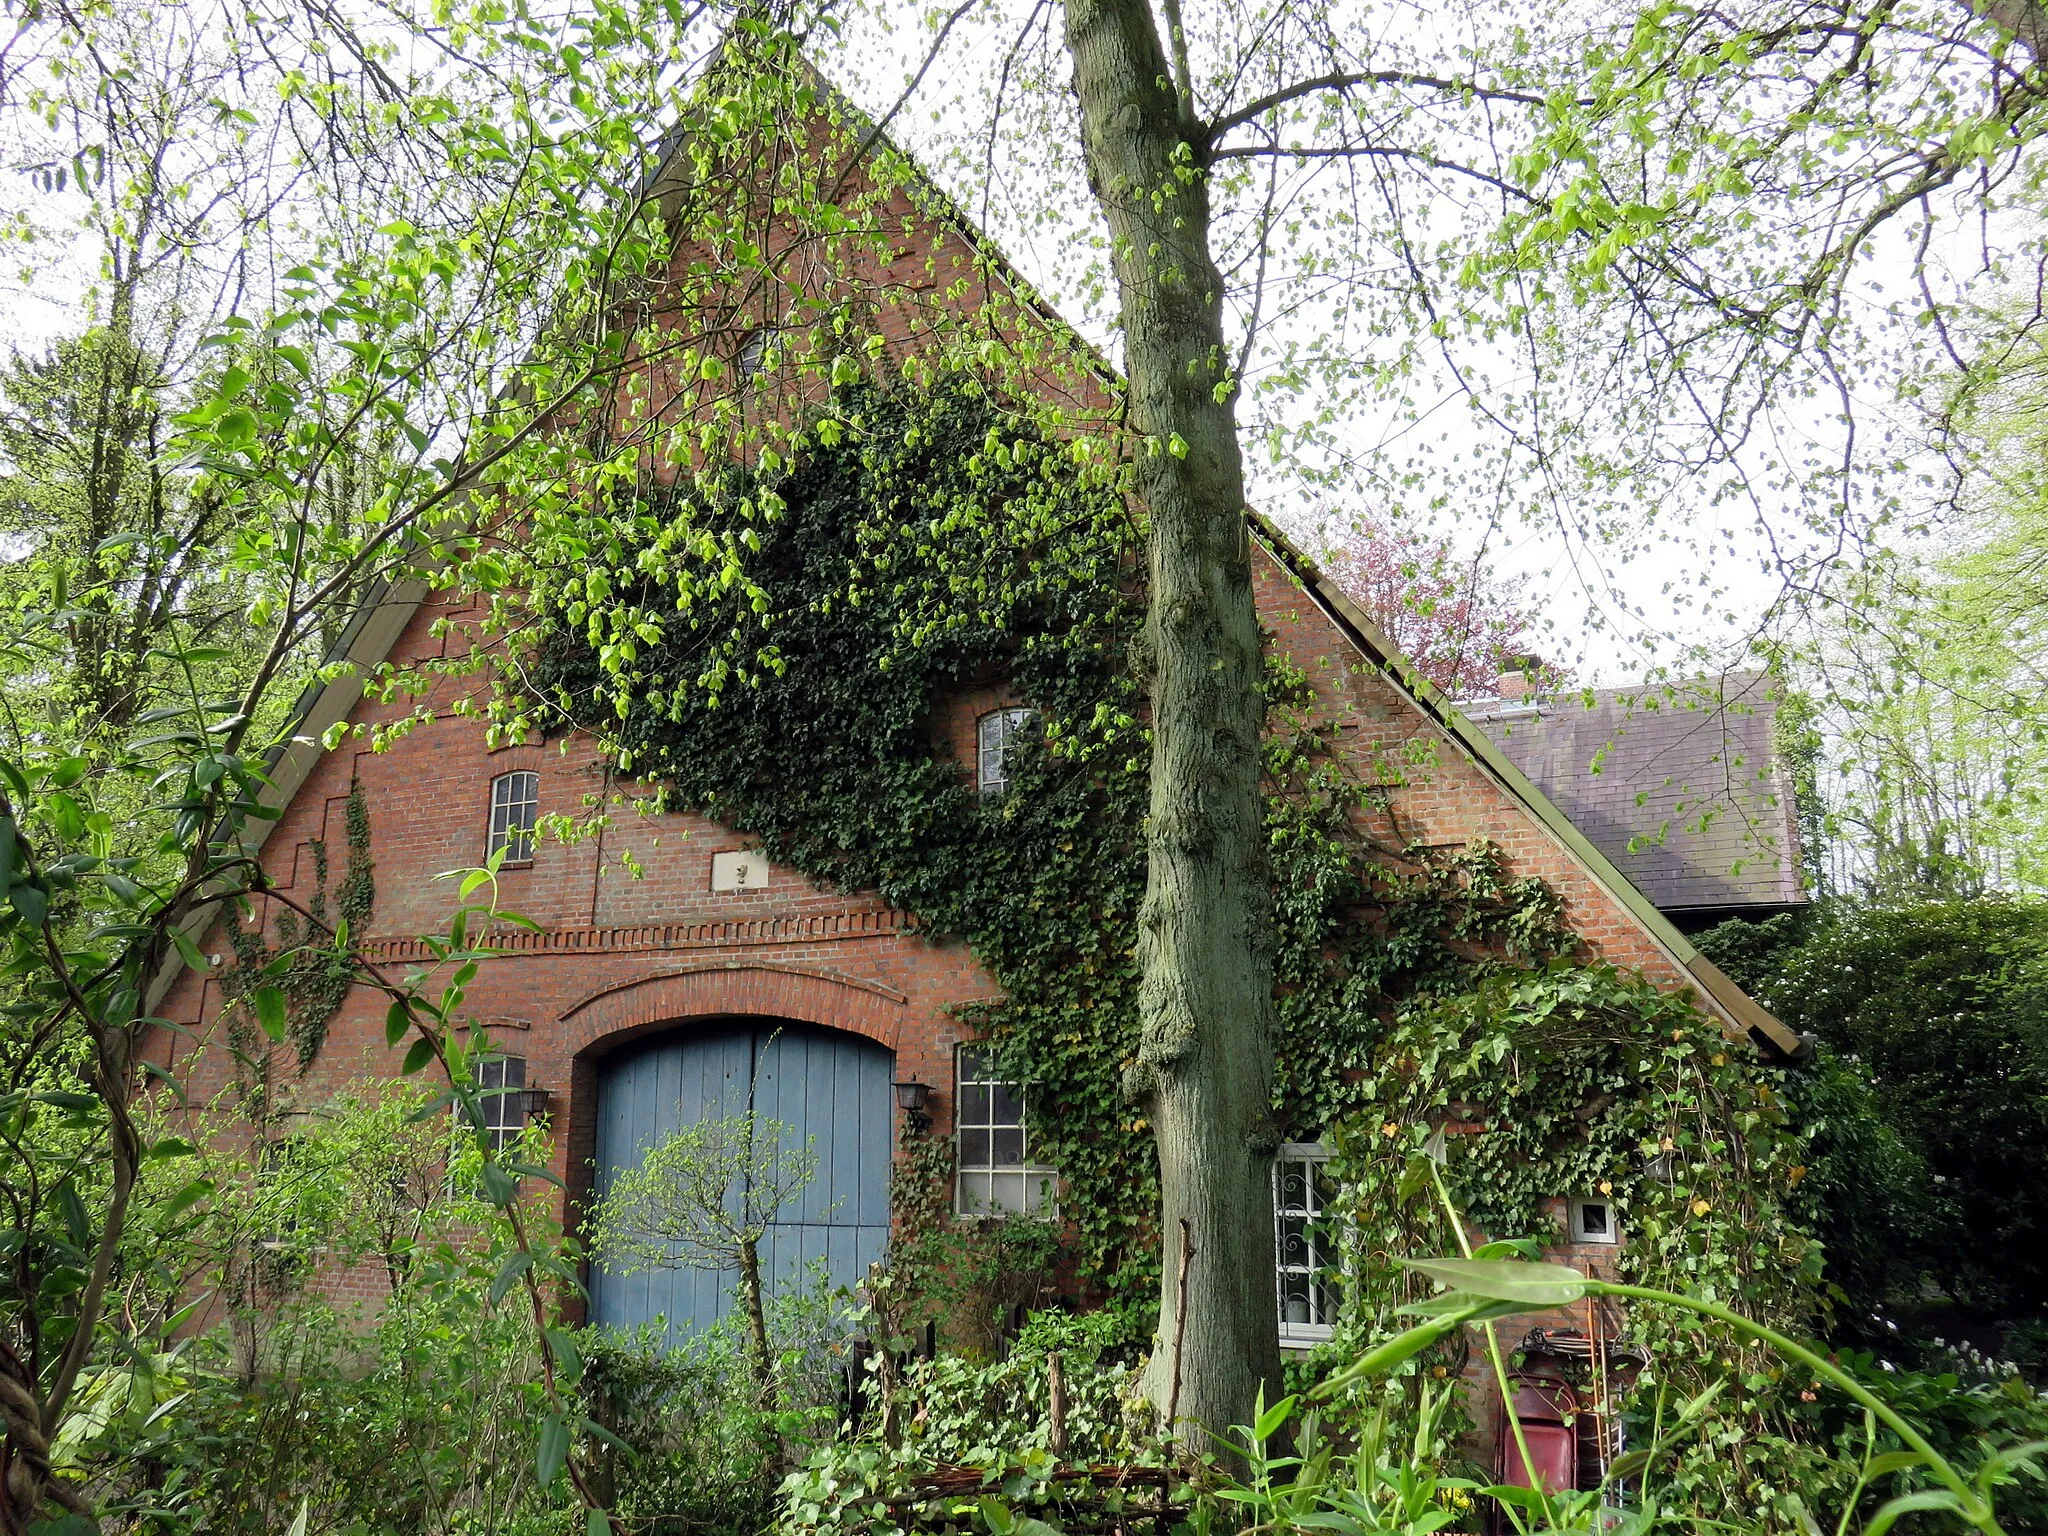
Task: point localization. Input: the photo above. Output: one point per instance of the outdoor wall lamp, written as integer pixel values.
(913, 1098)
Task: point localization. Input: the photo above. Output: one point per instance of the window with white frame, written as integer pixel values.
(515, 808)
(753, 354)
(1592, 1220)
(997, 1174)
(993, 733)
(503, 1081)
(1304, 1253)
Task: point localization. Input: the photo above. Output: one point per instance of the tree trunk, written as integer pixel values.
(757, 1317)
(1205, 1065)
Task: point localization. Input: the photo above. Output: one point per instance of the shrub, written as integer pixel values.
(1932, 1098)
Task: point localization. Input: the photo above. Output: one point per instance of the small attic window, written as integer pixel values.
(1592, 1220)
(993, 733)
(515, 808)
(753, 355)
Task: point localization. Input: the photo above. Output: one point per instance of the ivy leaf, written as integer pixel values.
(268, 1005)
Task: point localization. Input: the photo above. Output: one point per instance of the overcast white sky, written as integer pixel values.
(1697, 584)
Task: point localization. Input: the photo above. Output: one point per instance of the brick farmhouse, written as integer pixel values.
(673, 967)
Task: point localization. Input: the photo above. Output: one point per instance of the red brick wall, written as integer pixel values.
(1437, 794)
(624, 954)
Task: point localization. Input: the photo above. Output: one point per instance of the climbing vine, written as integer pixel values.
(316, 984)
(937, 543)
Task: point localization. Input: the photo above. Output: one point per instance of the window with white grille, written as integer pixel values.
(515, 808)
(993, 734)
(503, 1080)
(998, 1175)
(753, 354)
(1304, 1254)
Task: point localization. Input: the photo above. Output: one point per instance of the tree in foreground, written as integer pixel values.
(704, 1197)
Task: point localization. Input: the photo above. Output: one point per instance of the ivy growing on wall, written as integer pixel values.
(936, 543)
(315, 985)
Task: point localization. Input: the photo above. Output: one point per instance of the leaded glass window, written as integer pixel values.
(515, 808)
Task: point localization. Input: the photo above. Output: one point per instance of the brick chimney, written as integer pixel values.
(1512, 685)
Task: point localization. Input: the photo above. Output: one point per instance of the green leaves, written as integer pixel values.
(267, 1003)
(553, 1450)
(516, 1264)
(1525, 1285)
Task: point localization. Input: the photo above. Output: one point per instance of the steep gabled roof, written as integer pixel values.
(368, 642)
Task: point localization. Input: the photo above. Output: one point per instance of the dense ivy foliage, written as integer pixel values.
(943, 546)
(315, 985)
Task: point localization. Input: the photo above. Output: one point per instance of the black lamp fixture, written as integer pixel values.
(913, 1097)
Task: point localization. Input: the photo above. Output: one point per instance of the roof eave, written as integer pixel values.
(1741, 1014)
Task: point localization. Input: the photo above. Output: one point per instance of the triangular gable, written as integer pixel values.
(368, 641)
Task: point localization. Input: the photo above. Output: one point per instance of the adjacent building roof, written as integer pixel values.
(1681, 786)
(1743, 1015)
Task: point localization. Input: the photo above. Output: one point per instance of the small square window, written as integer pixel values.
(1592, 1220)
(997, 1174)
(993, 733)
(515, 808)
(503, 1080)
(1304, 1253)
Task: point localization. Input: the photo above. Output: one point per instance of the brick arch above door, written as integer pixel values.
(811, 994)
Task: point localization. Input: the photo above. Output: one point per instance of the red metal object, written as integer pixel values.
(1546, 1410)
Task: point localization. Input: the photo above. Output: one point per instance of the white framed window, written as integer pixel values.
(503, 1080)
(993, 733)
(996, 1172)
(515, 808)
(1592, 1219)
(753, 354)
(1304, 1254)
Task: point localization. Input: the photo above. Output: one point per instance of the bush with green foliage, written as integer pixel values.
(1932, 1100)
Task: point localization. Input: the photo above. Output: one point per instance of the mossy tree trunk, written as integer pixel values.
(1205, 1066)
(757, 1319)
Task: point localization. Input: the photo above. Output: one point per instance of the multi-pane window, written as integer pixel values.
(998, 1175)
(993, 734)
(503, 1080)
(515, 807)
(1304, 1253)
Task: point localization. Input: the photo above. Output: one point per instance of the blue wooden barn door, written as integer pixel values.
(831, 1089)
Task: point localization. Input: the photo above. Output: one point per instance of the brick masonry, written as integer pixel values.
(622, 956)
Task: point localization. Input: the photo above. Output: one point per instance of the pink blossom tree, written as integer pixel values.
(1458, 622)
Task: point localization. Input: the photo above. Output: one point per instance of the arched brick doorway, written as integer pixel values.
(830, 1086)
